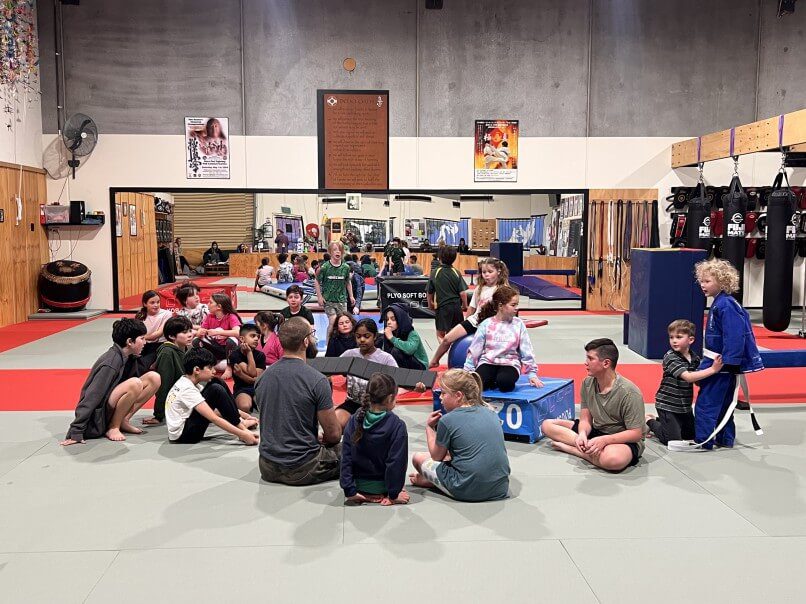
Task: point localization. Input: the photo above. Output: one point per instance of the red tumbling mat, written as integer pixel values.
(18, 334)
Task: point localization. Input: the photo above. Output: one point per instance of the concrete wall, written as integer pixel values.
(578, 68)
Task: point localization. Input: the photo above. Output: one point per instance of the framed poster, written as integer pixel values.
(118, 220)
(207, 147)
(354, 202)
(132, 220)
(353, 139)
(495, 156)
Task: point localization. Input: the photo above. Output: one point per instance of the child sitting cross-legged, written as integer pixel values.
(247, 364)
(189, 409)
(466, 458)
(178, 333)
(219, 331)
(374, 453)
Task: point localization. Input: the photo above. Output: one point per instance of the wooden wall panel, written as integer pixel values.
(534, 262)
(23, 247)
(608, 292)
(137, 255)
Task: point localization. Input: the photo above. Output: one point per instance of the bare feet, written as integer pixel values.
(419, 480)
(151, 421)
(115, 434)
(433, 364)
(563, 447)
(69, 441)
(129, 429)
(249, 423)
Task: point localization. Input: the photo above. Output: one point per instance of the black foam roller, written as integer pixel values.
(698, 223)
(733, 246)
(779, 258)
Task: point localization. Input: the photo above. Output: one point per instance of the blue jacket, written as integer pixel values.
(381, 454)
(730, 334)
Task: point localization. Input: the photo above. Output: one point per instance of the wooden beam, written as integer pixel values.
(762, 135)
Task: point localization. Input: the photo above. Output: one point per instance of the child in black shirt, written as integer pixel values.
(247, 364)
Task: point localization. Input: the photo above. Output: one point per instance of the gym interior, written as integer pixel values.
(600, 149)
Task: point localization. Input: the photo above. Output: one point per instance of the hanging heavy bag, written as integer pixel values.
(698, 223)
(750, 250)
(779, 258)
(733, 246)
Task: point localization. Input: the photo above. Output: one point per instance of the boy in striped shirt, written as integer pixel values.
(675, 420)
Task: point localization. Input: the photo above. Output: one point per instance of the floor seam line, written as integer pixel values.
(106, 570)
(579, 570)
(22, 461)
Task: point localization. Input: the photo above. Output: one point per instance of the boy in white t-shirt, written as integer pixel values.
(189, 409)
(264, 275)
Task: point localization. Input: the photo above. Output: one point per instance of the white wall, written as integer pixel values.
(22, 143)
(426, 163)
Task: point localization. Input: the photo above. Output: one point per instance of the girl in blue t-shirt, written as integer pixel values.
(466, 456)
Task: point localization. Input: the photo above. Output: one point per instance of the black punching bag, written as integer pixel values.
(780, 255)
(733, 246)
(698, 222)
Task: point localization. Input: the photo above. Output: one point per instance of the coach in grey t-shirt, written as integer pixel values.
(294, 400)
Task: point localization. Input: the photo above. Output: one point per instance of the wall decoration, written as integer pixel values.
(353, 133)
(496, 151)
(132, 220)
(19, 59)
(118, 220)
(354, 202)
(438, 229)
(517, 230)
(207, 147)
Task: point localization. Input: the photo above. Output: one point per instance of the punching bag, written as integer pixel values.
(698, 222)
(733, 244)
(780, 255)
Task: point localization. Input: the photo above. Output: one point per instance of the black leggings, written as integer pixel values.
(502, 377)
(406, 361)
(183, 262)
(672, 426)
(221, 352)
(218, 397)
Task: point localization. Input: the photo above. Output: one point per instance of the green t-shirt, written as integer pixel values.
(397, 254)
(333, 280)
(620, 409)
(446, 284)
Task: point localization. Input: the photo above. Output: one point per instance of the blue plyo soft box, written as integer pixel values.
(523, 410)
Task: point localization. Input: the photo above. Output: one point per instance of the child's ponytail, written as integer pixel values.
(379, 388)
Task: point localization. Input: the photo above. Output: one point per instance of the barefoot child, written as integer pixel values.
(189, 411)
(466, 458)
(247, 364)
(264, 276)
(675, 420)
(374, 453)
(501, 346)
(494, 274)
(219, 331)
(447, 293)
(333, 283)
(270, 346)
(106, 404)
(729, 333)
(610, 430)
(343, 337)
(178, 333)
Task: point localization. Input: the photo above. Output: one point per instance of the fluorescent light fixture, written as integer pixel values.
(475, 198)
(426, 198)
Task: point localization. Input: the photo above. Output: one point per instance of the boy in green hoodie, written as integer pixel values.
(178, 332)
(401, 340)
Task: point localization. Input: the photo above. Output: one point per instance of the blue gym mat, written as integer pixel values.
(278, 290)
(538, 288)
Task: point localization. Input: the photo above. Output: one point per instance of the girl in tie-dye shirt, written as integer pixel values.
(501, 346)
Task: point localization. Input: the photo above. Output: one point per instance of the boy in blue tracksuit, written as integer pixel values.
(729, 334)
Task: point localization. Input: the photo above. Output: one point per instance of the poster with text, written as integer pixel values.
(496, 151)
(207, 147)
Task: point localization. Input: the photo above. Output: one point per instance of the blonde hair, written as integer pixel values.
(466, 382)
(337, 244)
(723, 272)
